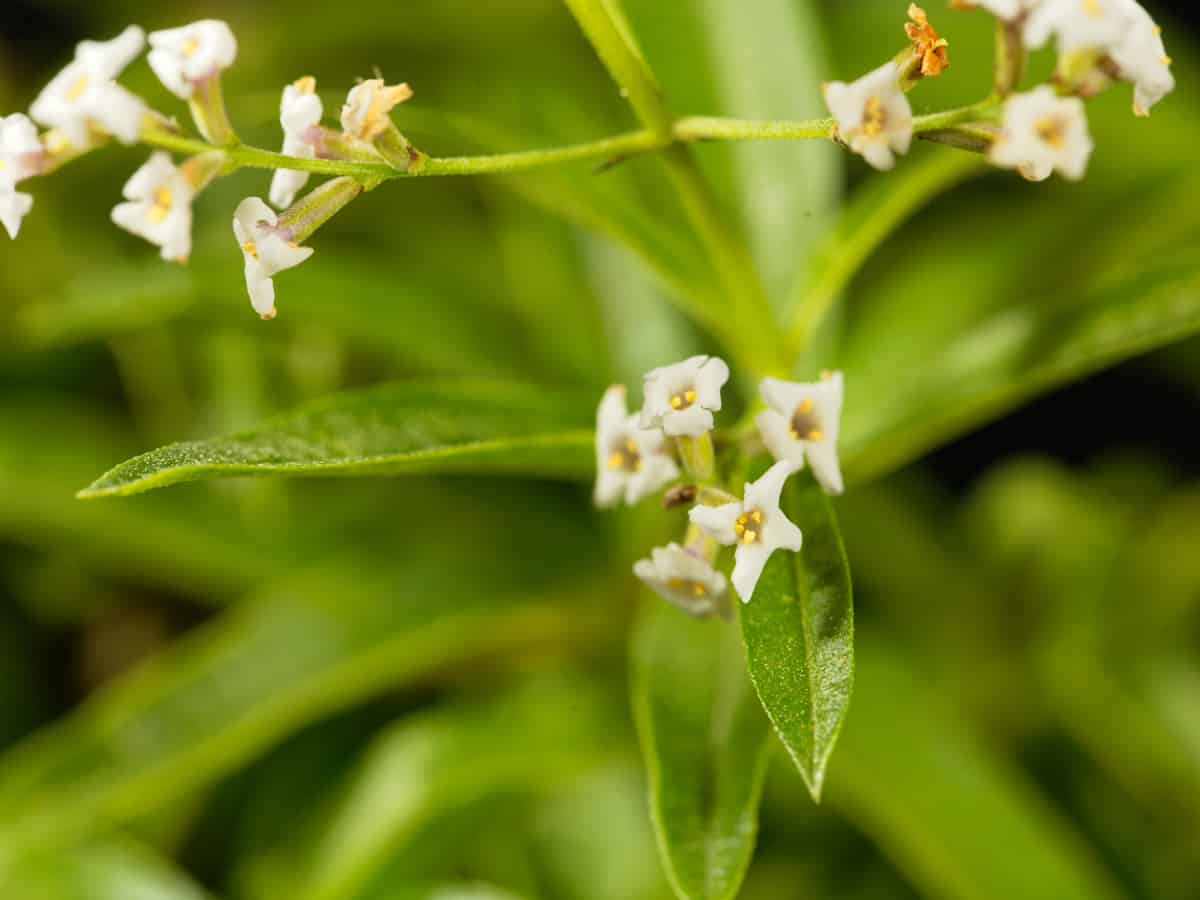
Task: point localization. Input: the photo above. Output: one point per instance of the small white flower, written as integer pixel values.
(630, 461)
(184, 57)
(159, 208)
(1142, 59)
(873, 115)
(1043, 132)
(684, 579)
(756, 526)
(267, 248)
(365, 113)
(84, 97)
(803, 422)
(682, 398)
(1079, 24)
(300, 112)
(21, 153)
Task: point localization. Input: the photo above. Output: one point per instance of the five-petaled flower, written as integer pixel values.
(684, 579)
(1098, 25)
(631, 461)
(300, 112)
(21, 153)
(873, 116)
(159, 207)
(184, 57)
(802, 423)
(1043, 132)
(83, 101)
(365, 114)
(682, 398)
(267, 248)
(755, 525)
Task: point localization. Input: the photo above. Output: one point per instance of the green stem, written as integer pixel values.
(708, 128)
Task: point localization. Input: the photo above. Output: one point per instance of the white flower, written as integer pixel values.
(159, 208)
(365, 113)
(1043, 132)
(84, 97)
(630, 460)
(1079, 24)
(267, 248)
(20, 156)
(803, 422)
(300, 112)
(1141, 57)
(756, 525)
(682, 398)
(184, 57)
(873, 115)
(1006, 9)
(684, 579)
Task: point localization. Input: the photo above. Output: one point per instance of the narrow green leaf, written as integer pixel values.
(705, 743)
(960, 822)
(799, 635)
(114, 870)
(437, 426)
(527, 738)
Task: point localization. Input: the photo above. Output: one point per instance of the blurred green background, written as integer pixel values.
(396, 688)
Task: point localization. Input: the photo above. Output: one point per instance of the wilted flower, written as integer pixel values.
(928, 46)
(803, 423)
(684, 579)
(267, 249)
(630, 461)
(681, 398)
(365, 113)
(83, 97)
(300, 112)
(756, 526)
(1043, 132)
(873, 115)
(20, 156)
(184, 57)
(160, 207)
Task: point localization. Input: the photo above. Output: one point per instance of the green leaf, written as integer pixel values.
(995, 365)
(705, 743)
(272, 665)
(959, 821)
(799, 635)
(115, 870)
(528, 738)
(434, 426)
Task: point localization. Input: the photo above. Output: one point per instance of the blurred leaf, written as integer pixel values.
(994, 365)
(530, 737)
(270, 666)
(437, 426)
(957, 820)
(117, 870)
(705, 743)
(799, 635)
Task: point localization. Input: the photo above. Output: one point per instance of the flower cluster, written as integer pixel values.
(1039, 132)
(635, 458)
(83, 107)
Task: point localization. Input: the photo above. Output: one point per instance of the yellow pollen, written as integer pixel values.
(163, 201)
(625, 456)
(76, 90)
(683, 399)
(1050, 130)
(190, 46)
(251, 248)
(1093, 8)
(306, 85)
(804, 425)
(748, 527)
(874, 118)
(1166, 60)
(695, 588)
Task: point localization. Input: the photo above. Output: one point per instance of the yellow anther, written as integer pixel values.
(874, 117)
(1166, 60)
(1093, 8)
(190, 47)
(683, 399)
(163, 201)
(251, 248)
(77, 89)
(306, 85)
(815, 435)
(625, 456)
(1050, 130)
(805, 424)
(748, 527)
(695, 588)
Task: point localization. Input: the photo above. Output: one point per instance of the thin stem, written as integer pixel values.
(620, 146)
(981, 111)
(708, 128)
